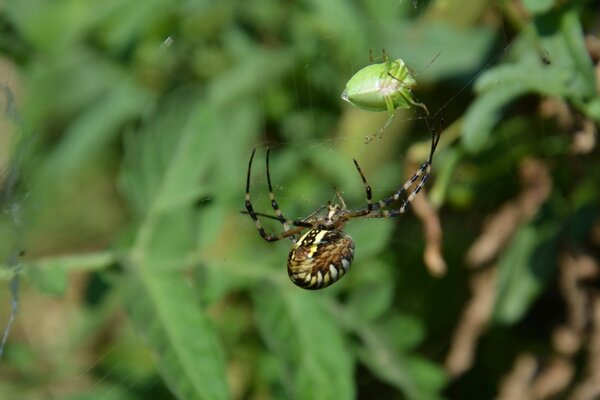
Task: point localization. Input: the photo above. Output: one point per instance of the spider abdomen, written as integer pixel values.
(320, 258)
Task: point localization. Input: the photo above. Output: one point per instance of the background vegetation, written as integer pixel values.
(125, 135)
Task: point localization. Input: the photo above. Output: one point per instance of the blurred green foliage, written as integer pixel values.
(125, 137)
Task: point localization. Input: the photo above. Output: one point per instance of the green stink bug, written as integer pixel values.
(382, 87)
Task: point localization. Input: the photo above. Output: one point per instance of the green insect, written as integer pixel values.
(382, 87)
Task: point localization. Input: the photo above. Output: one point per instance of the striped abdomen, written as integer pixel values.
(320, 258)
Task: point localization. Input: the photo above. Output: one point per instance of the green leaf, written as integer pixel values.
(428, 376)
(297, 328)
(43, 24)
(162, 180)
(484, 114)
(260, 70)
(384, 351)
(535, 78)
(371, 239)
(368, 302)
(104, 98)
(105, 392)
(538, 6)
(321, 22)
(501, 85)
(572, 33)
(189, 357)
(400, 332)
(49, 280)
(593, 109)
(525, 267)
(568, 75)
(440, 51)
(51, 274)
(162, 169)
(127, 21)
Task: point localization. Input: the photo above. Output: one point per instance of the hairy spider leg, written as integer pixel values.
(405, 203)
(424, 170)
(263, 233)
(423, 173)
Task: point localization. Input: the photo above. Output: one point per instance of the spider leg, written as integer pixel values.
(365, 210)
(288, 233)
(423, 172)
(436, 134)
(250, 210)
(405, 203)
(422, 175)
(296, 222)
(274, 204)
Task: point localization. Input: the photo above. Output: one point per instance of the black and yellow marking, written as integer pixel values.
(423, 171)
(323, 255)
(320, 258)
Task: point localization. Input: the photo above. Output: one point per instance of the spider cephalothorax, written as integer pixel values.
(323, 254)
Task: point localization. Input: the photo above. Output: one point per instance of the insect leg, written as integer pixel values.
(389, 105)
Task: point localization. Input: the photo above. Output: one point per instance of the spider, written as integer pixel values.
(323, 254)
